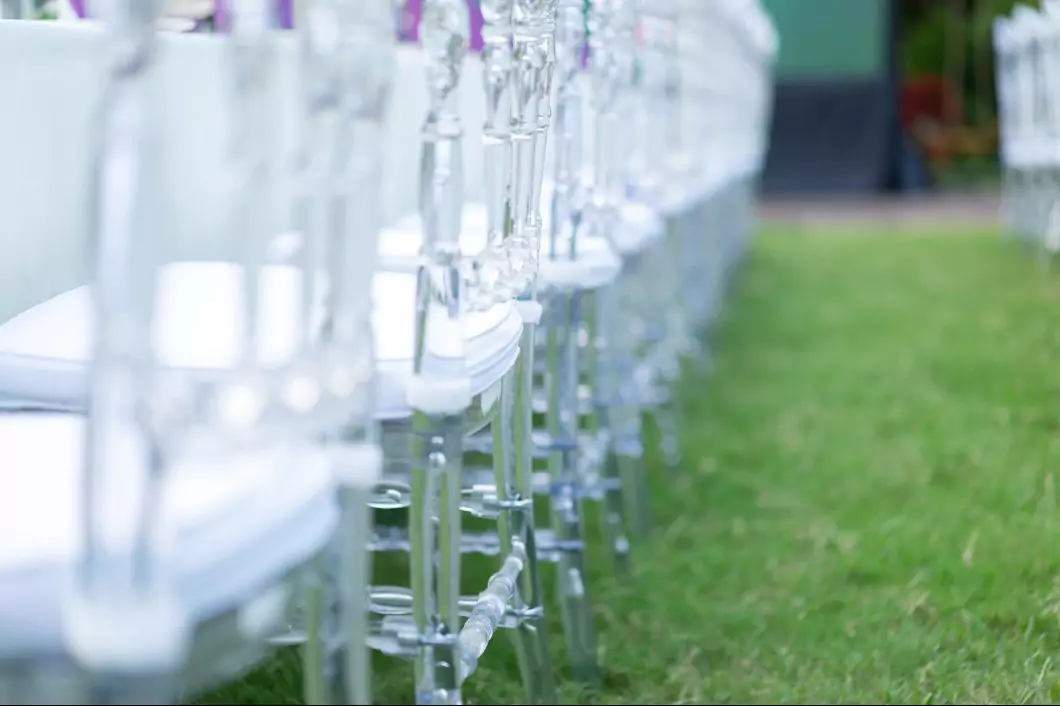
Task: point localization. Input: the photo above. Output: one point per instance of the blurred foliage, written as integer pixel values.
(924, 43)
(953, 40)
(929, 27)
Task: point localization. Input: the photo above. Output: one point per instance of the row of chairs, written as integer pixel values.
(268, 371)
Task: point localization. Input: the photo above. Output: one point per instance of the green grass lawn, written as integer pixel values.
(869, 508)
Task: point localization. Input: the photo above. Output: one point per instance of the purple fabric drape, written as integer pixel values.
(476, 24)
(284, 12)
(408, 31)
(409, 21)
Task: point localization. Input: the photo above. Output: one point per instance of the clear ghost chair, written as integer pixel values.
(123, 620)
(702, 193)
(1026, 30)
(740, 53)
(590, 440)
(346, 62)
(730, 102)
(581, 258)
(650, 291)
(1037, 68)
(575, 267)
(737, 42)
(518, 73)
(1048, 105)
(242, 410)
(688, 37)
(1015, 96)
(613, 215)
(712, 45)
(560, 376)
(460, 286)
(201, 501)
(635, 140)
(1006, 59)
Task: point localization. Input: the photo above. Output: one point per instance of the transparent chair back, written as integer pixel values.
(210, 376)
(458, 276)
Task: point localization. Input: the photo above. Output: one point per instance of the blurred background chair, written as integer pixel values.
(1026, 71)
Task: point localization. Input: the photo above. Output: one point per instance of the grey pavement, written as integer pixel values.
(959, 210)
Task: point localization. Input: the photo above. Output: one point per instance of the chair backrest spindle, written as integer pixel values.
(121, 614)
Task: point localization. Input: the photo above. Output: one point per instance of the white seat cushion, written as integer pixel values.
(44, 351)
(241, 523)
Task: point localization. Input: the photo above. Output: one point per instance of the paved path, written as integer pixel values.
(957, 210)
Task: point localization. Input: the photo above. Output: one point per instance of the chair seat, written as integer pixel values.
(594, 265)
(242, 522)
(44, 350)
(638, 225)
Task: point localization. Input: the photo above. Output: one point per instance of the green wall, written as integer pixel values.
(830, 38)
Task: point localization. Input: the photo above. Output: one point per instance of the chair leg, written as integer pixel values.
(625, 447)
(628, 457)
(353, 673)
(566, 504)
(335, 656)
(434, 548)
(513, 467)
(627, 442)
(612, 516)
(666, 415)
